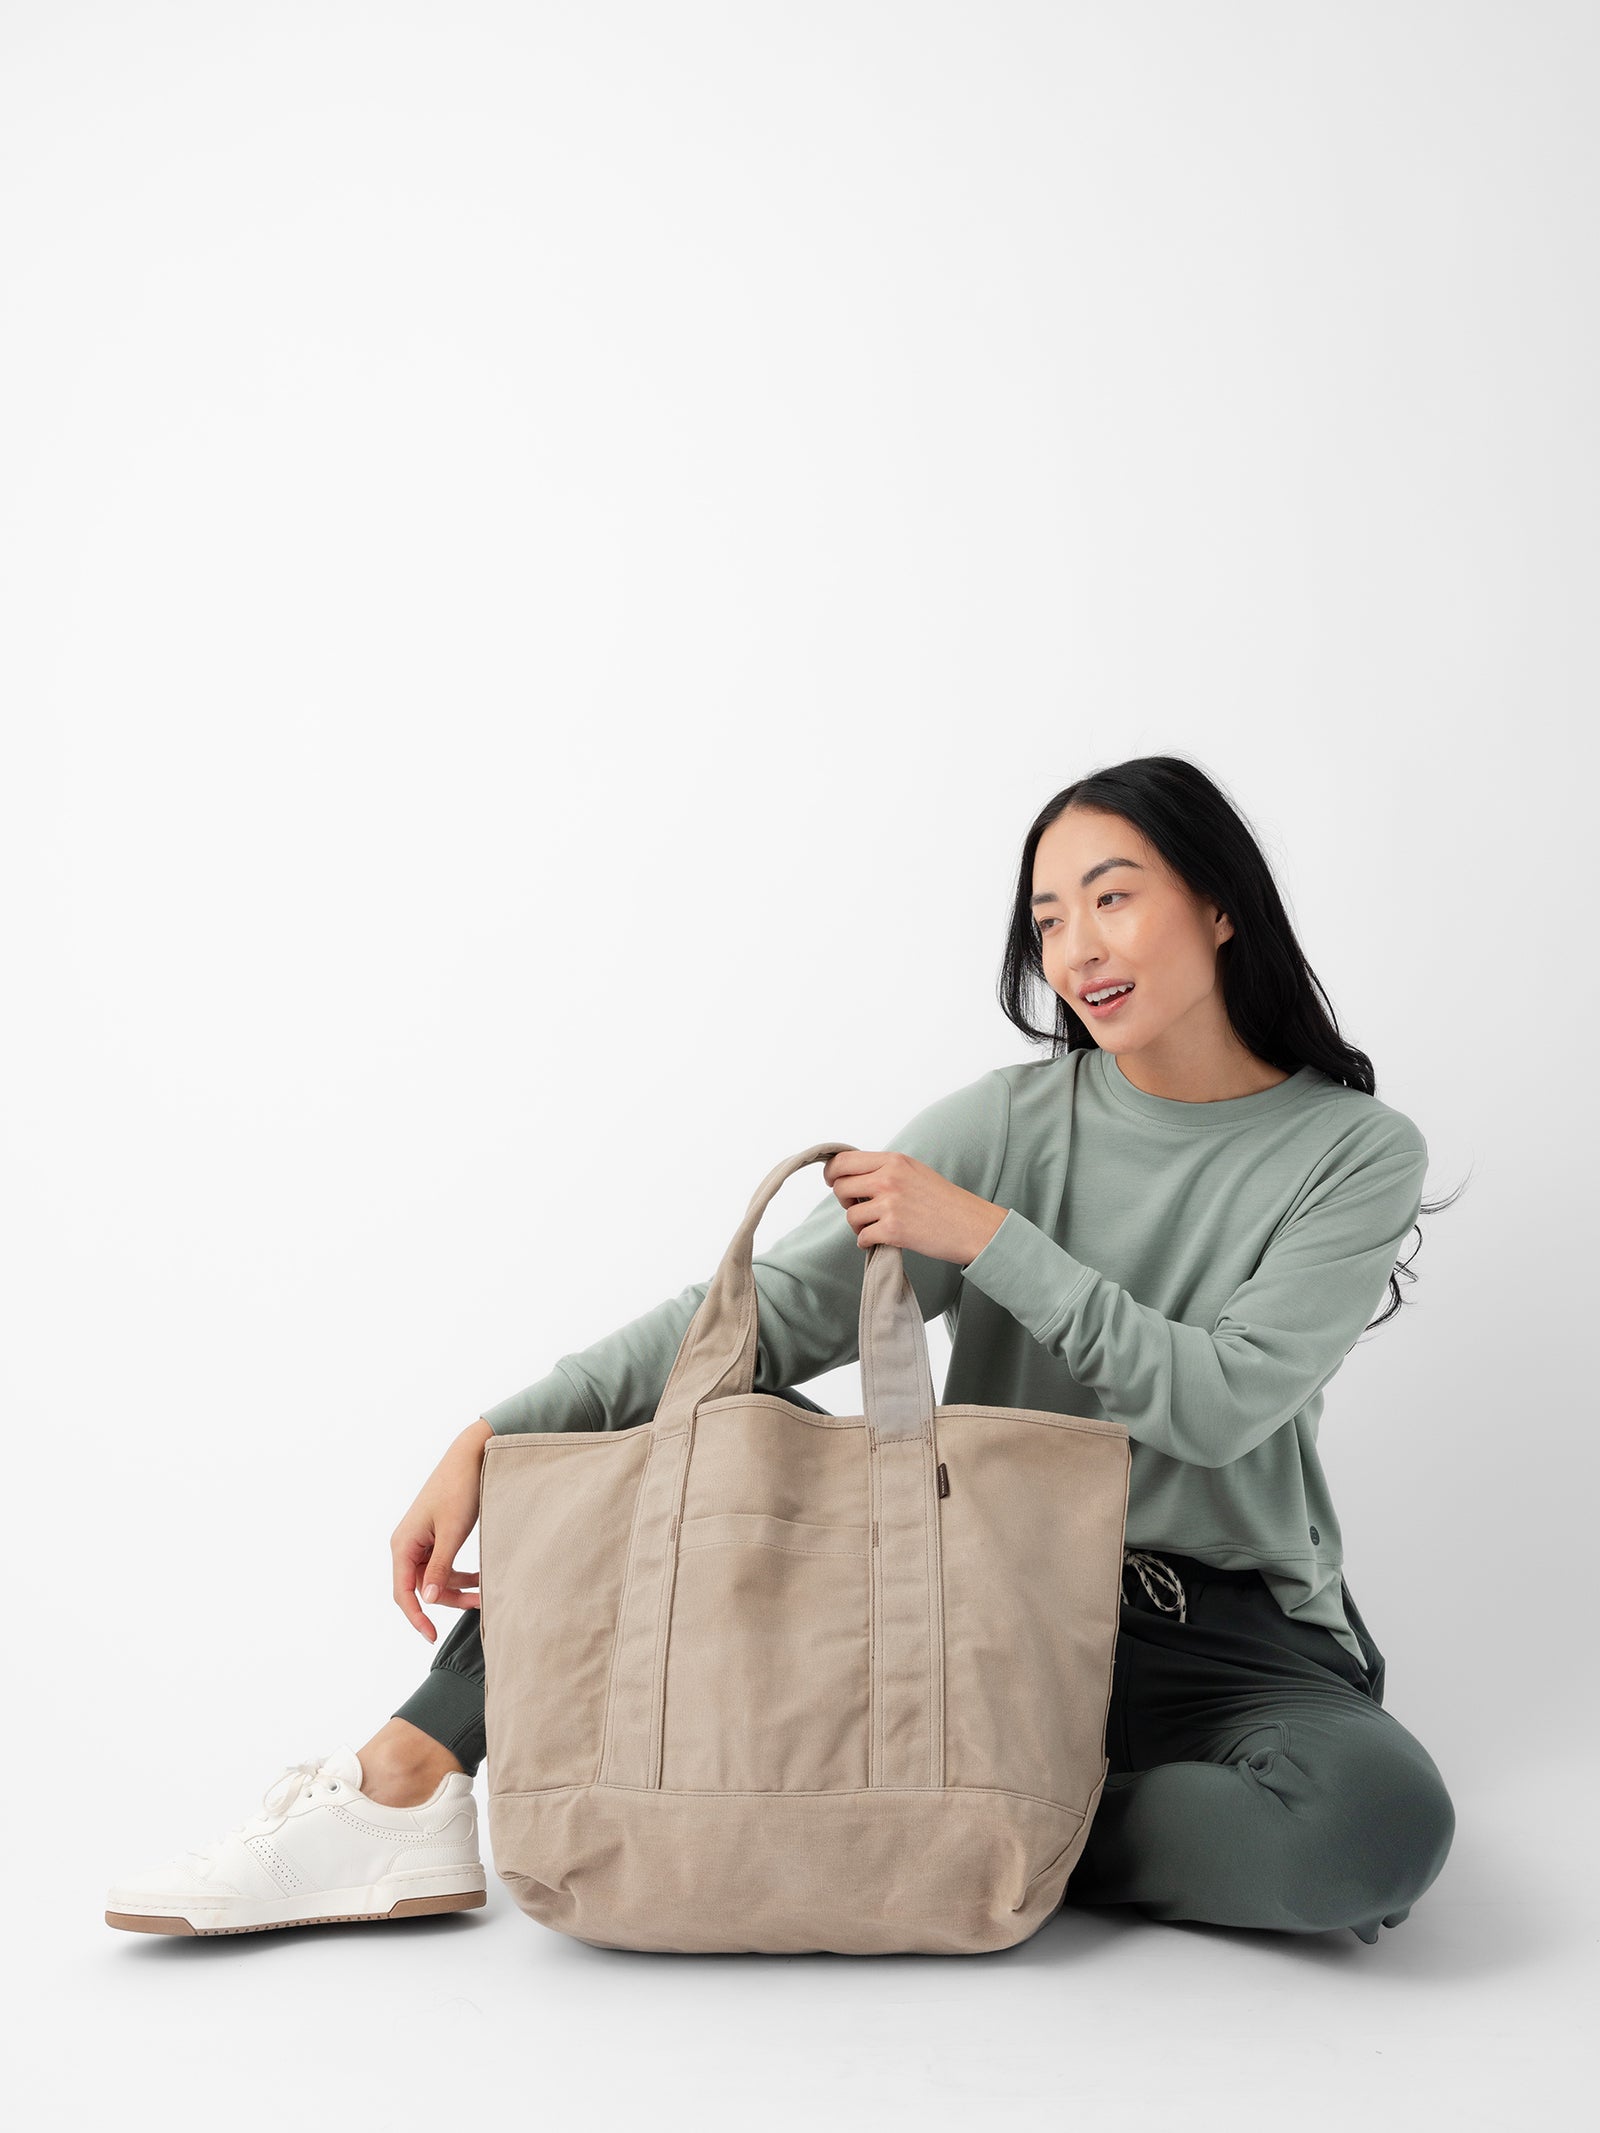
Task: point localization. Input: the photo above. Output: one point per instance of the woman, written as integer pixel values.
(1179, 1220)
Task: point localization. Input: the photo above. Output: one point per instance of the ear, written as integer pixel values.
(1224, 926)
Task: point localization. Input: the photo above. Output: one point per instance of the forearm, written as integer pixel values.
(1206, 1393)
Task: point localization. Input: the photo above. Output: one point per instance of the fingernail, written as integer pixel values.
(432, 1593)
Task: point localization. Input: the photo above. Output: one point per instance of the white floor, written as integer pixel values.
(1469, 2012)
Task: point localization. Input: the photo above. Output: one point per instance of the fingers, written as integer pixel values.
(851, 1162)
(423, 1547)
(438, 1584)
(441, 1575)
(407, 1550)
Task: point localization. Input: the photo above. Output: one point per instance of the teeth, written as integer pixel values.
(1108, 992)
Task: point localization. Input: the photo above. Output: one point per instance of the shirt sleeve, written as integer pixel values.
(808, 1290)
(1207, 1394)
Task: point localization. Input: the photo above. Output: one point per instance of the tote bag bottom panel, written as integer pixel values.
(872, 1872)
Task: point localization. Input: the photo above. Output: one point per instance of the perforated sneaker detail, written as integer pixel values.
(275, 1863)
(391, 1833)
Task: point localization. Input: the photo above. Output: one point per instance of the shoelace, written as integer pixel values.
(1137, 1559)
(276, 1801)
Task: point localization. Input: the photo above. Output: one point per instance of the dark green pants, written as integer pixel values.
(1255, 1780)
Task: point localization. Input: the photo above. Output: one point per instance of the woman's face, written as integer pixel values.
(1109, 909)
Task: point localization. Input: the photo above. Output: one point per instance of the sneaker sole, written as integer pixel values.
(407, 1907)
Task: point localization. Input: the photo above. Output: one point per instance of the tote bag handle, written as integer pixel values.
(721, 1348)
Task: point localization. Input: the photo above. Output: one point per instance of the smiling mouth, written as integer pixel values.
(1106, 1006)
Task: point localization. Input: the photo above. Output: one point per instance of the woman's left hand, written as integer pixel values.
(889, 1198)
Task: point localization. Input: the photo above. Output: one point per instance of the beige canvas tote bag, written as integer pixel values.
(764, 1680)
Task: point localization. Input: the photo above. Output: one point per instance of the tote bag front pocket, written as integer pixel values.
(768, 1669)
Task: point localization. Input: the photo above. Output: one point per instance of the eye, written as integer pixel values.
(1045, 923)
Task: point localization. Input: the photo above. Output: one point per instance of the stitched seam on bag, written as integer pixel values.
(836, 1555)
(796, 1414)
(669, 1575)
(525, 1440)
(921, 1444)
(874, 1614)
(929, 1483)
(622, 1612)
(857, 1532)
(930, 1495)
(842, 1792)
(936, 1622)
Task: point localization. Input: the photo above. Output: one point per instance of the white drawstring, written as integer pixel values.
(1140, 1561)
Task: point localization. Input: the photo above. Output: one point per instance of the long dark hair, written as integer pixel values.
(1273, 997)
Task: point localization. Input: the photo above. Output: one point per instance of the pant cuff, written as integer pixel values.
(448, 1707)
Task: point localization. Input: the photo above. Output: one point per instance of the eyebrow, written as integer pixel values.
(1049, 896)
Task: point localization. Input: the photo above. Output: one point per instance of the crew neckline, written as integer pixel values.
(1199, 1117)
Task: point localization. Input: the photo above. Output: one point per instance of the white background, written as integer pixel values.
(550, 554)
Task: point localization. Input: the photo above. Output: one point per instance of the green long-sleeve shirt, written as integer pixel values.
(1195, 1271)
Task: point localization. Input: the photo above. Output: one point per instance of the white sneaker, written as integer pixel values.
(321, 1852)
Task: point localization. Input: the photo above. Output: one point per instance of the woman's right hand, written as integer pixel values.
(423, 1547)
